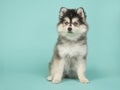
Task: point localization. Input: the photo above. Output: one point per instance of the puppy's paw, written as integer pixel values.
(49, 78)
(56, 80)
(84, 80)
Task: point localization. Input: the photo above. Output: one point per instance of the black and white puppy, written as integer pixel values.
(69, 59)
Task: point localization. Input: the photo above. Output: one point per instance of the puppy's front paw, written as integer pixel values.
(56, 80)
(84, 80)
(49, 78)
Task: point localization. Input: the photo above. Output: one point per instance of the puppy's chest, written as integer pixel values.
(71, 50)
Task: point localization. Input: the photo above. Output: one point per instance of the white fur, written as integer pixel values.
(74, 20)
(72, 50)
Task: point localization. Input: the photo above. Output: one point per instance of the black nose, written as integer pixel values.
(69, 29)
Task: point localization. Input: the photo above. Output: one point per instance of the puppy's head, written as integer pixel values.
(72, 22)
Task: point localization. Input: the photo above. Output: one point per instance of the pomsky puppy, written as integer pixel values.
(70, 52)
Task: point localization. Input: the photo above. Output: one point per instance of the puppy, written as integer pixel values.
(70, 52)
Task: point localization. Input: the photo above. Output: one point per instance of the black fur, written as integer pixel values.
(72, 13)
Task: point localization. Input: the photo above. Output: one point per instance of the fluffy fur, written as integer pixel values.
(69, 58)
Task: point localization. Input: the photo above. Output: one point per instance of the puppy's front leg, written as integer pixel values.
(81, 71)
(58, 70)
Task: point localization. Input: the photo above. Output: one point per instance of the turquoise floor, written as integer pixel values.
(29, 81)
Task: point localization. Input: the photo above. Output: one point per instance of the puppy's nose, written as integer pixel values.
(69, 29)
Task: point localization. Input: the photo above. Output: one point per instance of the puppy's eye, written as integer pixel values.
(66, 23)
(75, 23)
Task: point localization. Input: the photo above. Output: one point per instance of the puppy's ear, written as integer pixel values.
(80, 11)
(63, 10)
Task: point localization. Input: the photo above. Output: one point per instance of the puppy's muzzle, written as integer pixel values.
(69, 30)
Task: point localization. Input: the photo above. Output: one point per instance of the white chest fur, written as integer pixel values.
(72, 50)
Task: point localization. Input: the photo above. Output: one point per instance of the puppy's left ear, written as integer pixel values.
(80, 11)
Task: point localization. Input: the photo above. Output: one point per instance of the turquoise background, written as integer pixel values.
(28, 35)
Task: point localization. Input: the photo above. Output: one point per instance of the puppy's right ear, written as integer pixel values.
(63, 10)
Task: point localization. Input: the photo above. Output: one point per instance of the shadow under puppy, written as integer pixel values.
(69, 58)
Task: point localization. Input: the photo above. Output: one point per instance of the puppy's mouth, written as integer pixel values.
(70, 32)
